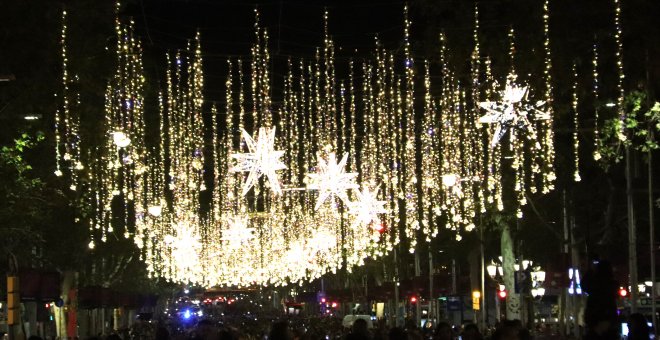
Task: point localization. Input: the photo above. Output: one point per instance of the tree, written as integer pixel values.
(636, 130)
(24, 209)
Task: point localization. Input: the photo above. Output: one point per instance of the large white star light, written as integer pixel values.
(185, 246)
(238, 232)
(331, 180)
(262, 159)
(513, 111)
(367, 207)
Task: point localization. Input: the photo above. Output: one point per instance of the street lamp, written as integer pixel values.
(641, 288)
(538, 292)
(538, 275)
(492, 270)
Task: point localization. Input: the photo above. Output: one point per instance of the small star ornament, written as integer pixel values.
(367, 207)
(238, 232)
(331, 179)
(513, 111)
(185, 246)
(262, 159)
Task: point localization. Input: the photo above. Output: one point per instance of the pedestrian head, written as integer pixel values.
(361, 327)
(443, 332)
(280, 331)
(471, 332)
(397, 333)
(638, 327)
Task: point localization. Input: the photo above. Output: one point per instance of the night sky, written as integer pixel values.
(296, 30)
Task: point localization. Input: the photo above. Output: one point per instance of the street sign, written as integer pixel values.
(454, 304)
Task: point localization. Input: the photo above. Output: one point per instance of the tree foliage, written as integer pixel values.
(636, 129)
(23, 210)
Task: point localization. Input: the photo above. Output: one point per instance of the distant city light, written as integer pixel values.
(32, 117)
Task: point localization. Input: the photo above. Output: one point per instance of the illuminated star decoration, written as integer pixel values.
(185, 246)
(367, 207)
(238, 232)
(512, 111)
(331, 180)
(262, 159)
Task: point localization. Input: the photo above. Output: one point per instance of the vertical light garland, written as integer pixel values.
(60, 112)
(619, 58)
(255, 71)
(576, 126)
(429, 161)
(67, 122)
(595, 91)
(352, 129)
(517, 141)
(409, 152)
(480, 157)
(453, 163)
(391, 191)
(494, 167)
(328, 107)
(548, 125)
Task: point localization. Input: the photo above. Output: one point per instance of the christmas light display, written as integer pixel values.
(512, 111)
(300, 213)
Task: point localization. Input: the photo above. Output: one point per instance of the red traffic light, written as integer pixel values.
(413, 299)
(501, 294)
(623, 292)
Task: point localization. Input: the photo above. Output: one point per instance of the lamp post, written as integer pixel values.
(535, 274)
(537, 291)
(495, 272)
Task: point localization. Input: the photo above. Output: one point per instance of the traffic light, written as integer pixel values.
(413, 299)
(623, 292)
(476, 303)
(501, 294)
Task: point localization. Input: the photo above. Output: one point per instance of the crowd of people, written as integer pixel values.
(331, 328)
(602, 321)
(313, 328)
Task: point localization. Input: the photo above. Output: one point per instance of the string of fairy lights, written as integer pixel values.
(576, 126)
(594, 90)
(342, 169)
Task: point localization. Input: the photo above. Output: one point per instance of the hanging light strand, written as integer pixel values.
(576, 126)
(595, 91)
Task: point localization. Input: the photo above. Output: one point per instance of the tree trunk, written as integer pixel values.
(68, 282)
(508, 260)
